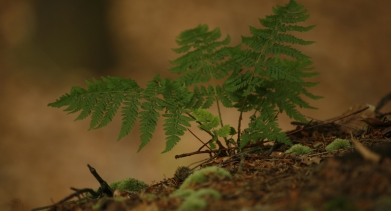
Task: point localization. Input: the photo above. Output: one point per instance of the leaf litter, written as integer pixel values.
(355, 178)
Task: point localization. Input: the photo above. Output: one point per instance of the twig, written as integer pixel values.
(196, 152)
(43, 208)
(328, 122)
(105, 188)
(365, 152)
(241, 163)
(77, 194)
(382, 102)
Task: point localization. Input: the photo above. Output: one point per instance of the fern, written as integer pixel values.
(265, 80)
(264, 75)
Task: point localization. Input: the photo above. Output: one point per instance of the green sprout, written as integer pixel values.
(299, 149)
(338, 144)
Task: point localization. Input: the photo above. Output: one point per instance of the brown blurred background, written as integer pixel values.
(48, 46)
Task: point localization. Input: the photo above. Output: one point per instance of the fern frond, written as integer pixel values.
(197, 100)
(175, 125)
(287, 38)
(203, 55)
(101, 100)
(207, 120)
(175, 94)
(150, 110)
(129, 114)
(148, 121)
(223, 131)
(288, 28)
(111, 109)
(224, 97)
(87, 106)
(99, 110)
(261, 128)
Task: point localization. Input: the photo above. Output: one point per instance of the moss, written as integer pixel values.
(195, 199)
(201, 175)
(299, 149)
(193, 203)
(96, 206)
(338, 144)
(148, 196)
(182, 193)
(128, 184)
(182, 173)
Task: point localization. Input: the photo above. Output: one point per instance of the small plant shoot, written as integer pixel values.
(264, 76)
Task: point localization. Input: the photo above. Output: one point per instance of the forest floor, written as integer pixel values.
(345, 179)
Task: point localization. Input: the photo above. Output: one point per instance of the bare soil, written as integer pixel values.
(338, 180)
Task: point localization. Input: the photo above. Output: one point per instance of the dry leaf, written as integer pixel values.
(353, 121)
(376, 123)
(221, 159)
(311, 160)
(365, 152)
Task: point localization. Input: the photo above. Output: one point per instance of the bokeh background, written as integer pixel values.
(48, 46)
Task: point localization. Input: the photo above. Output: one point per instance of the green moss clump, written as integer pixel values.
(201, 175)
(338, 144)
(96, 206)
(128, 184)
(182, 193)
(299, 149)
(194, 200)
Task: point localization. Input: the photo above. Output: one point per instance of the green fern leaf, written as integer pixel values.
(175, 126)
(113, 104)
(99, 110)
(197, 100)
(100, 100)
(203, 55)
(223, 131)
(149, 114)
(87, 106)
(129, 113)
(262, 127)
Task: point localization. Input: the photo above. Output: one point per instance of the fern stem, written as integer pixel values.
(240, 123)
(210, 133)
(204, 144)
(219, 111)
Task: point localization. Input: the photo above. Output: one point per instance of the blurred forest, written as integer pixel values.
(48, 46)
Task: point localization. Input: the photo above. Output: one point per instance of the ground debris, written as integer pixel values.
(336, 180)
